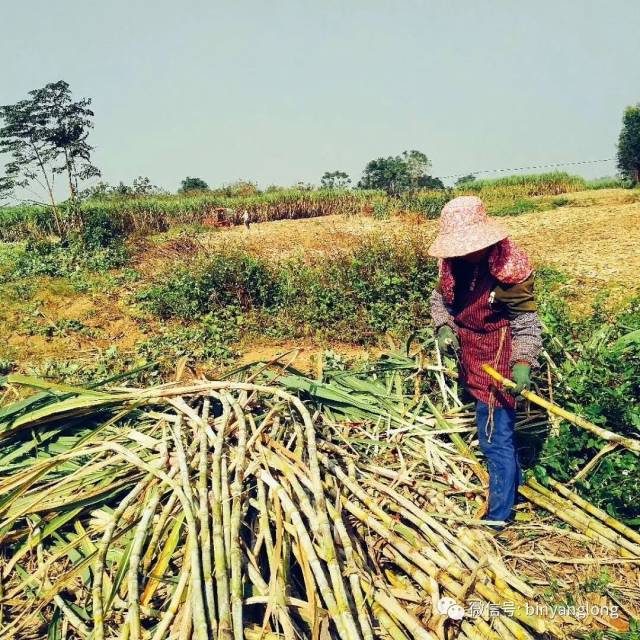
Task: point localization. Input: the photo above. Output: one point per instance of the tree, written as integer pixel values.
(335, 180)
(418, 166)
(46, 135)
(395, 174)
(141, 187)
(430, 182)
(629, 144)
(460, 182)
(193, 184)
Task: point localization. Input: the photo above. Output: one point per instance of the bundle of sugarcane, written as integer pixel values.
(228, 509)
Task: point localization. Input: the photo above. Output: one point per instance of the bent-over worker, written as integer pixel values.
(484, 309)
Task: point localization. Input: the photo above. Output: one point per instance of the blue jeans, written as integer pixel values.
(502, 459)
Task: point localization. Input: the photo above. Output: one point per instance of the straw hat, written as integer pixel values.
(465, 228)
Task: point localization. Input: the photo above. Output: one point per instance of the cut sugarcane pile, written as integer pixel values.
(229, 510)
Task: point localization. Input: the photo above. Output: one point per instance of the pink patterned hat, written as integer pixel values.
(465, 228)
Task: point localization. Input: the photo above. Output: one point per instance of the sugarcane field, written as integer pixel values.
(398, 399)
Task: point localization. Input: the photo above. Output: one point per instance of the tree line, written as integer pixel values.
(45, 137)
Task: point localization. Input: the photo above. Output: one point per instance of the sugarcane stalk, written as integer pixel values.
(486, 631)
(103, 548)
(337, 614)
(176, 597)
(158, 530)
(609, 520)
(226, 507)
(196, 602)
(388, 623)
(567, 508)
(354, 578)
(605, 434)
(236, 512)
(217, 532)
(407, 619)
(502, 629)
(133, 592)
(205, 532)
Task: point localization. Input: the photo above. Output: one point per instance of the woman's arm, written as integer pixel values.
(522, 310)
(440, 312)
(526, 338)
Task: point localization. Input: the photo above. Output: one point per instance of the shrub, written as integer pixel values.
(234, 279)
(53, 258)
(602, 383)
(357, 295)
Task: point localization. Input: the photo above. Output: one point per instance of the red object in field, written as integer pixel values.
(218, 218)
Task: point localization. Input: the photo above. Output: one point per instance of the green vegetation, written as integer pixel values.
(377, 289)
(139, 214)
(536, 184)
(158, 213)
(598, 360)
(398, 174)
(355, 296)
(610, 183)
(45, 136)
(629, 144)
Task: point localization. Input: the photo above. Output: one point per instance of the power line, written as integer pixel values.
(538, 166)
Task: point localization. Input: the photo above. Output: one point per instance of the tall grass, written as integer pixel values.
(610, 183)
(539, 184)
(503, 196)
(158, 213)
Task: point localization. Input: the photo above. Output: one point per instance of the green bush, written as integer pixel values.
(516, 208)
(52, 258)
(610, 183)
(100, 230)
(355, 295)
(234, 279)
(601, 381)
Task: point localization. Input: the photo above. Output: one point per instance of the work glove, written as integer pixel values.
(521, 375)
(447, 340)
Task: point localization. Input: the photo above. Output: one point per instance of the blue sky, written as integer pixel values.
(281, 91)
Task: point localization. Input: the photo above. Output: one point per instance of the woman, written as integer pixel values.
(484, 310)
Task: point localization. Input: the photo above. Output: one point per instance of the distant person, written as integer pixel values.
(246, 219)
(484, 310)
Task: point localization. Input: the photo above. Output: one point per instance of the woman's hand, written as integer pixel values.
(521, 375)
(447, 340)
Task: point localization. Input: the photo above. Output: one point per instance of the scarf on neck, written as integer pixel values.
(507, 263)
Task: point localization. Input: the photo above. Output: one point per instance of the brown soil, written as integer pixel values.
(36, 330)
(300, 354)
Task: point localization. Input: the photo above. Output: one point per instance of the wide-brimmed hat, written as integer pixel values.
(465, 227)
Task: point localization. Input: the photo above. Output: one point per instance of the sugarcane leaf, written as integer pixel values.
(157, 573)
(37, 440)
(33, 540)
(36, 383)
(123, 567)
(21, 405)
(54, 631)
(67, 408)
